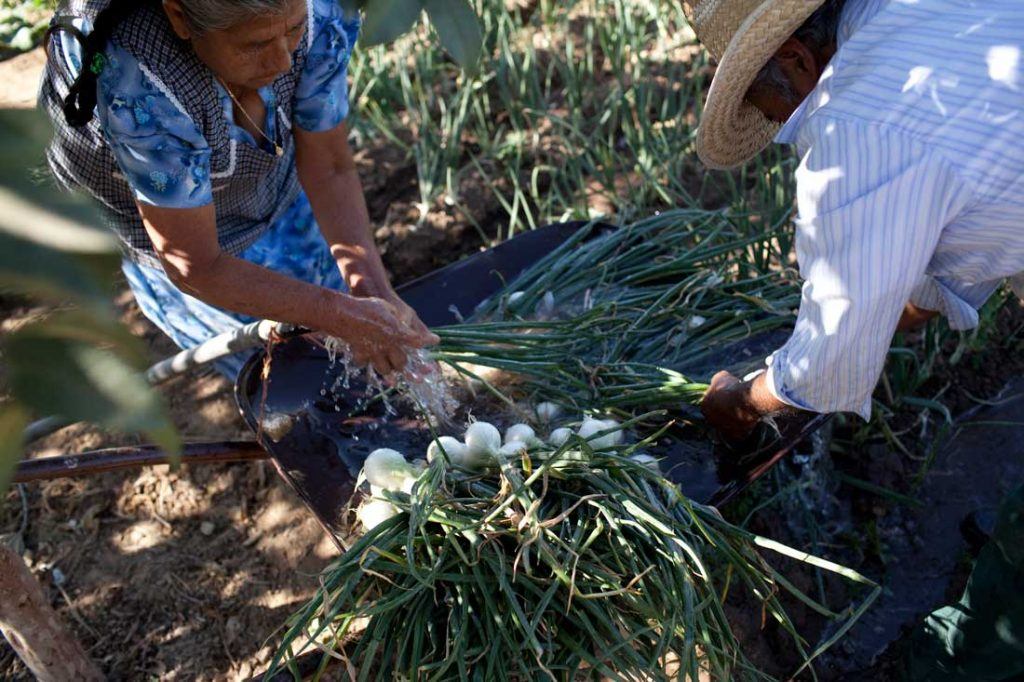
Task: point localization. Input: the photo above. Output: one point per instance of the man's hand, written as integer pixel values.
(733, 407)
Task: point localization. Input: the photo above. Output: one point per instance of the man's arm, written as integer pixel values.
(734, 407)
(872, 207)
(328, 174)
(914, 318)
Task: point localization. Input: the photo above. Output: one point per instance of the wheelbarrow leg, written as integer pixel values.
(34, 630)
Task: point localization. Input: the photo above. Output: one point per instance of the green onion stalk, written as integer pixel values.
(614, 320)
(561, 564)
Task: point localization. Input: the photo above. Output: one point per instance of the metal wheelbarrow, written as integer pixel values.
(325, 444)
(322, 446)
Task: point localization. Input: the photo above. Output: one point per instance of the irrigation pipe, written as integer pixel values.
(114, 459)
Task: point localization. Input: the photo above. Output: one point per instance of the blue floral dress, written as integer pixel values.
(166, 160)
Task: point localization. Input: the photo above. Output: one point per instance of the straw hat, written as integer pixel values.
(742, 35)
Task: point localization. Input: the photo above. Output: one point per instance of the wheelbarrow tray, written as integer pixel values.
(322, 451)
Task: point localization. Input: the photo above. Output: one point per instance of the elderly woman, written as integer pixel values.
(214, 133)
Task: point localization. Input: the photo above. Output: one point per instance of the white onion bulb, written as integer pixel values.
(548, 412)
(594, 426)
(546, 307)
(560, 437)
(522, 433)
(482, 439)
(453, 447)
(374, 512)
(512, 449)
(618, 435)
(386, 468)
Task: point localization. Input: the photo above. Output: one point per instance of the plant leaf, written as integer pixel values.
(458, 28)
(96, 330)
(12, 429)
(73, 379)
(31, 203)
(32, 269)
(385, 20)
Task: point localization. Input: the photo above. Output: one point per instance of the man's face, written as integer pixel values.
(777, 106)
(801, 67)
(252, 53)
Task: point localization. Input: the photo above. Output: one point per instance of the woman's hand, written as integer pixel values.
(407, 314)
(376, 333)
(328, 174)
(367, 287)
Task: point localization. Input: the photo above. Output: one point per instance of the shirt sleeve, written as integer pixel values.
(872, 205)
(321, 96)
(957, 301)
(158, 147)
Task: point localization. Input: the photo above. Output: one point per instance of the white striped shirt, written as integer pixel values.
(910, 186)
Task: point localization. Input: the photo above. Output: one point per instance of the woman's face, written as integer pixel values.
(250, 54)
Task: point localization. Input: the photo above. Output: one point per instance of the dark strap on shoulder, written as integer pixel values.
(62, 23)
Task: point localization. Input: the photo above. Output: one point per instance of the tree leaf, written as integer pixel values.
(458, 28)
(75, 380)
(96, 330)
(44, 273)
(385, 20)
(70, 220)
(12, 429)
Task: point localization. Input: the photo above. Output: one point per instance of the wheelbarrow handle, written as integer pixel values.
(245, 337)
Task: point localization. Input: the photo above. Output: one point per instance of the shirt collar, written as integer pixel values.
(854, 15)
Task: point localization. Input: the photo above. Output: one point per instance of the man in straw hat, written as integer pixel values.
(908, 118)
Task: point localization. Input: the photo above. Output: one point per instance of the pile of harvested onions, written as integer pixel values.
(537, 562)
(388, 471)
(566, 554)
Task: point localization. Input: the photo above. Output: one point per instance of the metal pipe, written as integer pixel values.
(114, 459)
(245, 337)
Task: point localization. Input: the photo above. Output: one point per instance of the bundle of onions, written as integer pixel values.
(554, 564)
(634, 310)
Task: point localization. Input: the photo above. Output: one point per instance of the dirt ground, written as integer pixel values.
(20, 80)
(176, 575)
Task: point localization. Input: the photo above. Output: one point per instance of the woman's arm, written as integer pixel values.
(186, 242)
(328, 175)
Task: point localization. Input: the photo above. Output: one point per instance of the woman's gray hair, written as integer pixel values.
(215, 15)
(817, 32)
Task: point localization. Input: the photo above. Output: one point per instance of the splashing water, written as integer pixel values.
(421, 382)
(424, 383)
